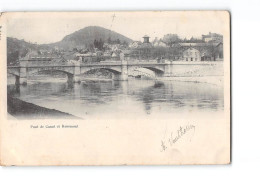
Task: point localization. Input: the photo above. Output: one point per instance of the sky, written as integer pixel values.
(49, 27)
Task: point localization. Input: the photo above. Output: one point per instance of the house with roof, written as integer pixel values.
(191, 54)
(114, 54)
(70, 55)
(210, 51)
(212, 37)
(159, 43)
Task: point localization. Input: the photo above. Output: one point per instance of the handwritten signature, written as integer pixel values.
(179, 134)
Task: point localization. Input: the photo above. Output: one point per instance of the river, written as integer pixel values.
(135, 97)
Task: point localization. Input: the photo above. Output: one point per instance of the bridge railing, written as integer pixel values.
(103, 63)
(75, 63)
(50, 64)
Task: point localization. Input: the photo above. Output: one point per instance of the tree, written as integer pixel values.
(159, 52)
(170, 39)
(212, 50)
(192, 39)
(109, 40)
(195, 40)
(100, 44)
(91, 47)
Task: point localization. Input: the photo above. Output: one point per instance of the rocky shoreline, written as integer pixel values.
(24, 110)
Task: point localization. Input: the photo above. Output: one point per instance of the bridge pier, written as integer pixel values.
(23, 81)
(124, 71)
(119, 77)
(168, 69)
(22, 78)
(73, 78)
(17, 80)
(70, 78)
(77, 77)
(123, 76)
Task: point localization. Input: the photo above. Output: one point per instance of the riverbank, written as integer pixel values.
(216, 80)
(24, 110)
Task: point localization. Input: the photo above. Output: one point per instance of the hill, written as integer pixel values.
(16, 48)
(79, 39)
(86, 37)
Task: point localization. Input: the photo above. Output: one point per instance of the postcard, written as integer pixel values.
(115, 88)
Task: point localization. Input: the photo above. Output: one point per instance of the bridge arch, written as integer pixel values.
(70, 73)
(155, 70)
(13, 72)
(33, 72)
(67, 71)
(112, 70)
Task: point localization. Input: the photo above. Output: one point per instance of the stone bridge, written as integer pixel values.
(74, 69)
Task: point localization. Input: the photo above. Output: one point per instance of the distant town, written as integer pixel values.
(209, 47)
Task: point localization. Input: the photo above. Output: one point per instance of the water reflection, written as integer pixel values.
(140, 96)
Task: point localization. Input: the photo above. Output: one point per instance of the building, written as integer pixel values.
(36, 58)
(135, 44)
(146, 45)
(146, 39)
(191, 54)
(107, 54)
(114, 54)
(159, 43)
(212, 37)
(210, 51)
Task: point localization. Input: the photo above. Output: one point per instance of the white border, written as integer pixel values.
(245, 88)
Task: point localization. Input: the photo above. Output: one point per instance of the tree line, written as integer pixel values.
(170, 39)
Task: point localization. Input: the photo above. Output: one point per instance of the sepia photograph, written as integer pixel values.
(114, 64)
(134, 88)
